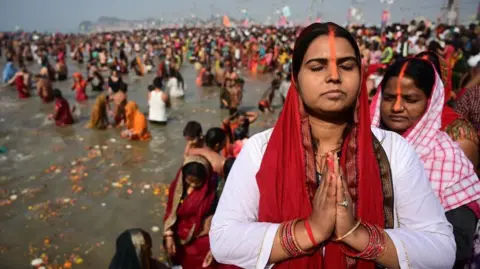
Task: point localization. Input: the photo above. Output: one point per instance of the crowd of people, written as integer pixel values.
(373, 160)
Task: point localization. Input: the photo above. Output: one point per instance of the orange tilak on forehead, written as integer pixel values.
(333, 54)
(399, 86)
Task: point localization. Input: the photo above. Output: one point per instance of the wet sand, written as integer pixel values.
(69, 192)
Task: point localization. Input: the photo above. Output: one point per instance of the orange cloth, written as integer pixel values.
(136, 122)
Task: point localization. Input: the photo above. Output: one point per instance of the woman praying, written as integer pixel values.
(324, 189)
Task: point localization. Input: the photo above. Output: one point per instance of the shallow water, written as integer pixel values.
(69, 192)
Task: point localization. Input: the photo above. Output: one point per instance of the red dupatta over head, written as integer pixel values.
(187, 214)
(286, 178)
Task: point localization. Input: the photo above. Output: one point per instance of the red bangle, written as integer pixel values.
(309, 232)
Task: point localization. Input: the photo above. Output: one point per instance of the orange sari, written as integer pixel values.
(136, 122)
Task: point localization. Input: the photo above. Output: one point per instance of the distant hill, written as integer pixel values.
(106, 23)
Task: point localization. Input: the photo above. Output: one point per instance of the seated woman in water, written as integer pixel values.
(80, 87)
(410, 103)
(324, 189)
(63, 114)
(134, 251)
(136, 123)
(190, 206)
(99, 115)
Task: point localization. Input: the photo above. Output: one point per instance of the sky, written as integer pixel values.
(65, 15)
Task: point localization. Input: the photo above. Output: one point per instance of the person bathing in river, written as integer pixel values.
(235, 94)
(99, 115)
(193, 134)
(44, 88)
(79, 86)
(62, 115)
(215, 142)
(22, 81)
(114, 82)
(61, 68)
(119, 99)
(265, 104)
(173, 86)
(136, 123)
(9, 70)
(95, 78)
(134, 251)
(158, 102)
(240, 136)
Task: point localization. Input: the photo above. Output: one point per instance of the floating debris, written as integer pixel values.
(37, 262)
(113, 140)
(13, 197)
(155, 229)
(128, 146)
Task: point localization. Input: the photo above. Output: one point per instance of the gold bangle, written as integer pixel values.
(349, 232)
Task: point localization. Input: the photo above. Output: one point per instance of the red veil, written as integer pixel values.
(188, 215)
(286, 178)
(185, 216)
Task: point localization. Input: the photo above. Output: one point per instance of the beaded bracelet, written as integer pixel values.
(377, 244)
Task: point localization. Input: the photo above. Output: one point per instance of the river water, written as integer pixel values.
(67, 193)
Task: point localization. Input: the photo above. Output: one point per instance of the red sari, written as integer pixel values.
(287, 178)
(21, 87)
(185, 217)
(80, 87)
(63, 115)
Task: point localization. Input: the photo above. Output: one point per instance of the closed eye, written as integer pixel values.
(317, 68)
(388, 97)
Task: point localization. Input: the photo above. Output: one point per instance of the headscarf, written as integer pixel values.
(131, 109)
(286, 178)
(199, 202)
(132, 250)
(451, 174)
(99, 118)
(80, 82)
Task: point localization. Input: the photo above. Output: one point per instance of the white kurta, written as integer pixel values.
(422, 235)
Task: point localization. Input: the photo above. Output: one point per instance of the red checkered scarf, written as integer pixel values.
(451, 174)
